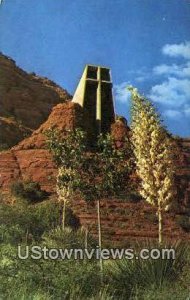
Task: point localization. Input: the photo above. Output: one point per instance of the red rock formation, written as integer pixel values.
(12, 132)
(64, 116)
(122, 221)
(183, 172)
(30, 160)
(120, 131)
(25, 97)
(27, 165)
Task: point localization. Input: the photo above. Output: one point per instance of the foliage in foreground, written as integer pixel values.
(126, 275)
(76, 279)
(69, 279)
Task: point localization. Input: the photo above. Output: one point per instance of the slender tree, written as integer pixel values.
(97, 174)
(105, 172)
(67, 150)
(154, 155)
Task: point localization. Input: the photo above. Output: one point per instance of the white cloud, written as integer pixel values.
(172, 92)
(178, 70)
(172, 114)
(177, 50)
(175, 114)
(121, 92)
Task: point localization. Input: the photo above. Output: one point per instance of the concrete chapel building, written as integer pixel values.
(94, 94)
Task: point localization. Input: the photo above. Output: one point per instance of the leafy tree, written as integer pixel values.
(101, 173)
(104, 174)
(154, 155)
(67, 152)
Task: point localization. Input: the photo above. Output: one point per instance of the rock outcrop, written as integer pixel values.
(122, 221)
(26, 100)
(12, 132)
(30, 160)
(183, 172)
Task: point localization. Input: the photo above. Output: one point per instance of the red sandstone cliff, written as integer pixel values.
(26, 101)
(29, 160)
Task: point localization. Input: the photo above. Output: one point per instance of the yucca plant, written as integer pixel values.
(158, 271)
(128, 275)
(154, 156)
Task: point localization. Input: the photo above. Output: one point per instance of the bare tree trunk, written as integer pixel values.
(159, 224)
(86, 238)
(100, 238)
(63, 215)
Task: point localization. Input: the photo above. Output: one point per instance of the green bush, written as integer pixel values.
(61, 279)
(126, 275)
(70, 279)
(13, 234)
(32, 220)
(29, 190)
(43, 279)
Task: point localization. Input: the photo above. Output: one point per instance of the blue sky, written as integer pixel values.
(146, 43)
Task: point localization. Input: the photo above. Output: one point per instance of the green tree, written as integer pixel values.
(105, 174)
(154, 155)
(67, 151)
(101, 173)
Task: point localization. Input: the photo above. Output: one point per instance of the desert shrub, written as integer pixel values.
(29, 190)
(32, 220)
(127, 275)
(70, 279)
(12, 234)
(61, 279)
(184, 222)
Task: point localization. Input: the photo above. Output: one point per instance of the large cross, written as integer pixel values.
(94, 94)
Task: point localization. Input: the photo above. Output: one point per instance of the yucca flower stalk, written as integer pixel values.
(154, 155)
